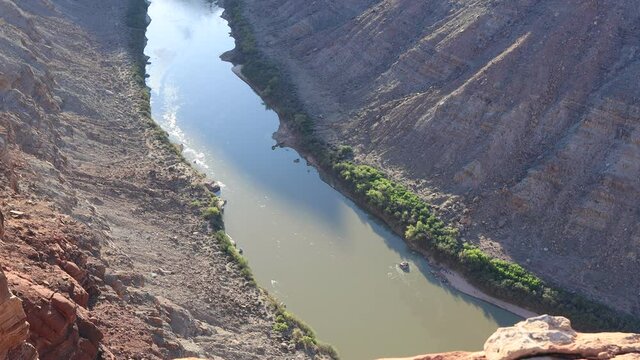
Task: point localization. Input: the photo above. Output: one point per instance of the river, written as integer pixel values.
(332, 264)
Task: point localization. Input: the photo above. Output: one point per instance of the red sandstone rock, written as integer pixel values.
(454, 355)
(14, 328)
(547, 337)
(60, 327)
(73, 270)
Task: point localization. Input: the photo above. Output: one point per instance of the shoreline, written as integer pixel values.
(449, 277)
(505, 279)
(458, 282)
(273, 307)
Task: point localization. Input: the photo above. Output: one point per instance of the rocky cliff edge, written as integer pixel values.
(547, 337)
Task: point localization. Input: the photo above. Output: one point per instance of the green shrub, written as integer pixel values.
(344, 152)
(214, 216)
(280, 327)
(228, 248)
(300, 333)
(307, 342)
(297, 335)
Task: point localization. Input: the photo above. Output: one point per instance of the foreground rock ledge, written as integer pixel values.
(547, 336)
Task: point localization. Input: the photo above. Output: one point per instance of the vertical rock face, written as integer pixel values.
(54, 325)
(528, 107)
(1, 225)
(14, 329)
(60, 328)
(548, 337)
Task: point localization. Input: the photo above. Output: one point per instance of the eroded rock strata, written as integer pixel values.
(518, 120)
(14, 328)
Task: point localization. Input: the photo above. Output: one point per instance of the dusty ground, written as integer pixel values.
(98, 208)
(517, 120)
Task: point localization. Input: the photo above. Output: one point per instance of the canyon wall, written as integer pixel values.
(518, 120)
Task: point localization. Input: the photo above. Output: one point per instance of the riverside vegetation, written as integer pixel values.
(399, 207)
(285, 324)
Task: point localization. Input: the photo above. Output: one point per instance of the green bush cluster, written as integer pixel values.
(400, 204)
(230, 249)
(511, 275)
(344, 152)
(300, 333)
(500, 278)
(210, 211)
(512, 282)
(280, 325)
(271, 82)
(213, 215)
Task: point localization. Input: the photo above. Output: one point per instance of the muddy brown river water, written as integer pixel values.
(332, 264)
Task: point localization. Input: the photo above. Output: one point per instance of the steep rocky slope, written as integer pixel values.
(99, 239)
(547, 337)
(518, 120)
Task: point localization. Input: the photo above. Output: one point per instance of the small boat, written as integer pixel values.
(404, 266)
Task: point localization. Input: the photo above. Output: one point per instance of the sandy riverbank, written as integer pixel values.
(458, 282)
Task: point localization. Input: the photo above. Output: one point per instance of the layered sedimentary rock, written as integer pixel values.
(60, 328)
(548, 337)
(14, 329)
(519, 120)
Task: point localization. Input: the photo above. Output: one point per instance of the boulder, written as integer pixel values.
(550, 338)
(547, 335)
(454, 355)
(214, 187)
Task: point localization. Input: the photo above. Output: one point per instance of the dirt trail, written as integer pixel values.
(97, 205)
